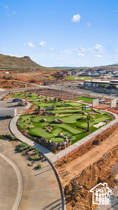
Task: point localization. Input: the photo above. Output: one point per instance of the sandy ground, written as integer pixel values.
(99, 172)
(72, 169)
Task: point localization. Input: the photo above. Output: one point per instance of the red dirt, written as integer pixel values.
(89, 168)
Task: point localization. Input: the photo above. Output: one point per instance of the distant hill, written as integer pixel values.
(25, 63)
(64, 67)
(111, 67)
(11, 62)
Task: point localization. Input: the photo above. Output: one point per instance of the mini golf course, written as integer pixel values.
(73, 117)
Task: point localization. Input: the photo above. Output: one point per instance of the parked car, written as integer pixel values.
(17, 99)
(21, 103)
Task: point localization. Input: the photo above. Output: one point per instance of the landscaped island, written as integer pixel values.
(59, 123)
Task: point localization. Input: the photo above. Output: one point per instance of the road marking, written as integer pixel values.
(19, 178)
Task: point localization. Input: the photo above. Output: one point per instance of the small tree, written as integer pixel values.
(88, 122)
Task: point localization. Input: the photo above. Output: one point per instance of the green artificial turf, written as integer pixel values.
(85, 99)
(77, 78)
(73, 127)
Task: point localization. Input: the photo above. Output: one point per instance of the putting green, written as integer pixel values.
(73, 127)
(85, 99)
(40, 132)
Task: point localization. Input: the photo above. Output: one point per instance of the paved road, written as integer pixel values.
(19, 188)
(4, 122)
(94, 93)
(8, 185)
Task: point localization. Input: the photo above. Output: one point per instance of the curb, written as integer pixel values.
(63, 201)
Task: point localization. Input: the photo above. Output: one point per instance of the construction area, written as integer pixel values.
(90, 165)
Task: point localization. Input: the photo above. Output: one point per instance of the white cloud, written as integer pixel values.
(97, 48)
(30, 44)
(76, 18)
(42, 44)
(81, 49)
(51, 49)
(116, 50)
(98, 56)
(88, 24)
(67, 51)
(14, 12)
(81, 54)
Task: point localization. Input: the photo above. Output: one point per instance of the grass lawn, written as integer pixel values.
(74, 124)
(85, 99)
(27, 95)
(77, 78)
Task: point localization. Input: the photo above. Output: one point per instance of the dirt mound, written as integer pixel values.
(90, 177)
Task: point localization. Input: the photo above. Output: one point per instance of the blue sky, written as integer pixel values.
(60, 32)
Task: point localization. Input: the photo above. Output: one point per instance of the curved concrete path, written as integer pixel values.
(19, 180)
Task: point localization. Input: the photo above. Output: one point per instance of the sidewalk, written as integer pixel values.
(21, 137)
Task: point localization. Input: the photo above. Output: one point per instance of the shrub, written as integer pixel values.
(8, 136)
(1, 136)
(38, 166)
(31, 148)
(14, 138)
(36, 152)
(23, 148)
(23, 144)
(36, 157)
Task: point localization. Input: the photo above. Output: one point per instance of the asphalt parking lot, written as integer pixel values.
(4, 121)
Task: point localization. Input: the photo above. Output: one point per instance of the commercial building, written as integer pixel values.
(113, 84)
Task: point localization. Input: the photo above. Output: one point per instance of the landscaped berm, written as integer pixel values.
(57, 124)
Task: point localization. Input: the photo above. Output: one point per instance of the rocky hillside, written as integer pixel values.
(15, 62)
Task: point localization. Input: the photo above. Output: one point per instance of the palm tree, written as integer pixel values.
(88, 121)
